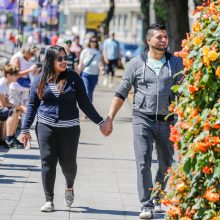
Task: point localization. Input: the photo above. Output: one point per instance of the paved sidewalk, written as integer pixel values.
(105, 186)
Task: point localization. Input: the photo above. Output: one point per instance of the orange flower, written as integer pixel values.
(171, 107)
(211, 196)
(207, 170)
(196, 27)
(174, 211)
(200, 146)
(195, 112)
(174, 134)
(193, 89)
(180, 187)
(205, 51)
(216, 126)
(216, 140)
(217, 72)
(213, 55)
(207, 126)
(197, 41)
(166, 202)
(206, 61)
(185, 218)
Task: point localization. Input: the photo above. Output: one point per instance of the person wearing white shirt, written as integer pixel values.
(9, 113)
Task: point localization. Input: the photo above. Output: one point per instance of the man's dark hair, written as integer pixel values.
(152, 27)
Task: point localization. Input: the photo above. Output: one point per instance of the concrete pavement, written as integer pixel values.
(105, 187)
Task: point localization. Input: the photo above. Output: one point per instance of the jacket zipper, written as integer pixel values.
(157, 107)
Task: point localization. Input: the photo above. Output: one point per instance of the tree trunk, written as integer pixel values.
(110, 15)
(177, 22)
(145, 7)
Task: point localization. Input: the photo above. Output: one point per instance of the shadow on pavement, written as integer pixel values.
(4, 149)
(84, 143)
(21, 156)
(19, 167)
(85, 209)
(119, 159)
(8, 180)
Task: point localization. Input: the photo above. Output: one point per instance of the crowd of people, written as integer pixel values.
(66, 84)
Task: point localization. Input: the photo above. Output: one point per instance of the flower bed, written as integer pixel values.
(194, 180)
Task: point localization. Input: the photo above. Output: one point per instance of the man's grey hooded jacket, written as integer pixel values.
(152, 93)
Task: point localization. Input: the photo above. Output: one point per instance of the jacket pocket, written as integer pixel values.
(139, 100)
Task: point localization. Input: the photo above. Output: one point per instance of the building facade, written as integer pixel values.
(126, 23)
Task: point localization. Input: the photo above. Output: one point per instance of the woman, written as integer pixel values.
(90, 60)
(54, 96)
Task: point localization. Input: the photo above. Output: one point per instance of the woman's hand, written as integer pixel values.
(25, 138)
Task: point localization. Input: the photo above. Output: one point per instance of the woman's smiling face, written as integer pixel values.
(60, 62)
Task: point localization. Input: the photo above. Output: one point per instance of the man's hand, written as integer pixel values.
(25, 139)
(107, 127)
(106, 60)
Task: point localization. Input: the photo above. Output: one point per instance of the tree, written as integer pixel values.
(145, 7)
(174, 14)
(109, 17)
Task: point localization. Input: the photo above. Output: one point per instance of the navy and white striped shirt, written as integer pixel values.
(60, 109)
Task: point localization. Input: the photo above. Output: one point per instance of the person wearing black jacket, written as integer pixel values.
(53, 98)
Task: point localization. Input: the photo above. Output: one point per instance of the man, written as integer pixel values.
(73, 61)
(9, 113)
(111, 54)
(152, 75)
(76, 46)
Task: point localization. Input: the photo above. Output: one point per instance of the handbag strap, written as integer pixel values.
(89, 62)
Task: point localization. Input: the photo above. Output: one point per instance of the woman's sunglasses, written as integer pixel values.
(61, 58)
(93, 41)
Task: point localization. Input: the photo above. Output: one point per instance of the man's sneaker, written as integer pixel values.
(69, 197)
(47, 207)
(147, 213)
(158, 208)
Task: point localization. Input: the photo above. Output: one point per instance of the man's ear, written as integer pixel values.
(147, 39)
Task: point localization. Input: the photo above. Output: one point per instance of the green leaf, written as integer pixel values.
(205, 78)
(187, 165)
(175, 88)
(217, 170)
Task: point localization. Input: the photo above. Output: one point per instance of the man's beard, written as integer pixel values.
(160, 49)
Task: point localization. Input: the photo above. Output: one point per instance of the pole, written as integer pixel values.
(20, 23)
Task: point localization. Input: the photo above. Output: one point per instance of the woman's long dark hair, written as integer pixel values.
(49, 74)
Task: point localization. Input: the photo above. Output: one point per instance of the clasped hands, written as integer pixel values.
(106, 127)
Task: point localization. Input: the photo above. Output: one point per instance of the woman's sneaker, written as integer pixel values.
(69, 197)
(47, 207)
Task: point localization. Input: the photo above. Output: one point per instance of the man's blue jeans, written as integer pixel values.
(90, 82)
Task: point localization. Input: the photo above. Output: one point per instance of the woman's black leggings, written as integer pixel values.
(57, 144)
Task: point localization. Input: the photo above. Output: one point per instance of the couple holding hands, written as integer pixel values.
(56, 93)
